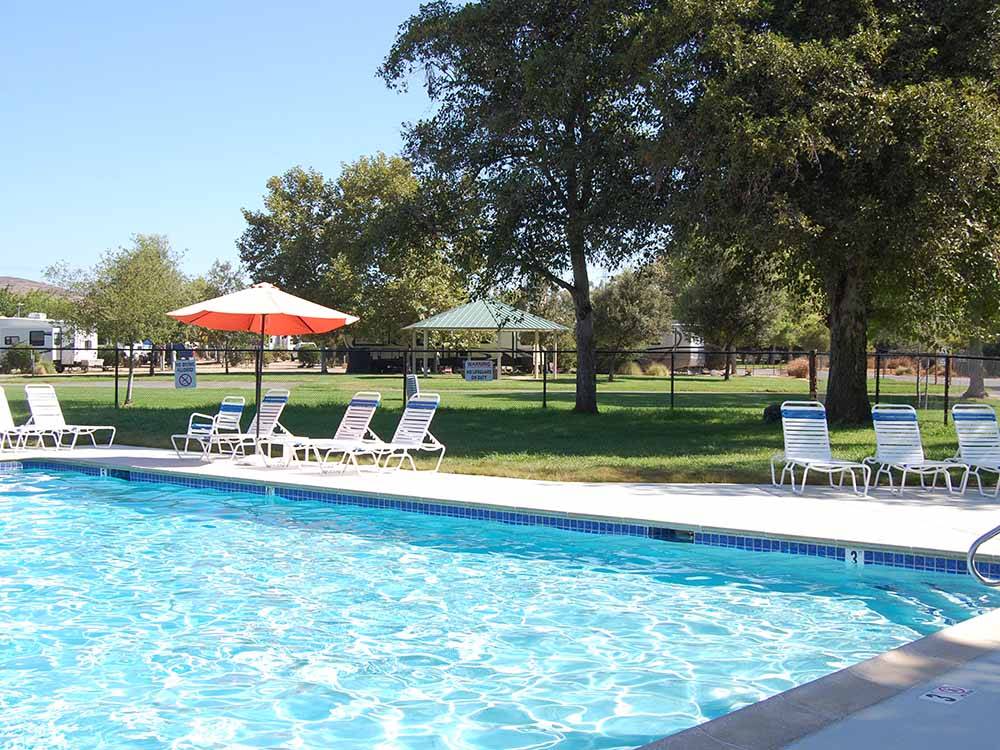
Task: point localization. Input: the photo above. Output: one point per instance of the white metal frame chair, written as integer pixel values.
(807, 445)
(13, 436)
(203, 427)
(898, 446)
(978, 443)
(353, 430)
(269, 411)
(47, 416)
(412, 434)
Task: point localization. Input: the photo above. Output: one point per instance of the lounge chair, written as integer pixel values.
(202, 428)
(47, 416)
(267, 416)
(898, 447)
(412, 434)
(807, 445)
(13, 436)
(353, 431)
(978, 443)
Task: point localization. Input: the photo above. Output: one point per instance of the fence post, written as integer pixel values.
(672, 379)
(947, 384)
(878, 375)
(406, 370)
(813, 389)
(918, 381)
(545, 380)
(117, 357)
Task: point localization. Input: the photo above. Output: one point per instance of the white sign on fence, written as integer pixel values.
(479, 369)
(185, 373)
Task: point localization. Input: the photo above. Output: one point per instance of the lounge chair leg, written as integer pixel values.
(805, 473)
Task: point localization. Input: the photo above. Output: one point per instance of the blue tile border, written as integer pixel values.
(884, 558)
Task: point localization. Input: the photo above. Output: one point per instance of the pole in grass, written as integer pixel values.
(545, 380)
(672, 362)
(947, 384)
(117, 358)
(878, 375)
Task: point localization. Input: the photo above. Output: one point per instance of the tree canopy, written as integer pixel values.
(371, 242)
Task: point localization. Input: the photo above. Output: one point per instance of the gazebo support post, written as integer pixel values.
(499, 354)
(535, 353)
(413, 353)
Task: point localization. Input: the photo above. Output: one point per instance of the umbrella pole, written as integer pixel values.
(260, 373)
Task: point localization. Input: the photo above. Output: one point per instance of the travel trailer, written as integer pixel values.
(53, 341)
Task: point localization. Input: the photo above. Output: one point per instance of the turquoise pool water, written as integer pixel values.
(149, 616)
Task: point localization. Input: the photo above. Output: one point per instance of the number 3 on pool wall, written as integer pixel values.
(854, 557)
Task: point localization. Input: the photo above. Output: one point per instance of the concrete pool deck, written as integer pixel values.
(916, 521)
(879, 703)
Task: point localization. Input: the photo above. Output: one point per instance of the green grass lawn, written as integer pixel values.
(715, 432)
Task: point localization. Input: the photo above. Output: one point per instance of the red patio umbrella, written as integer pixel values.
(265, 310)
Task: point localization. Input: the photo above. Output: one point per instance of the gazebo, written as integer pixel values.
(488, 315)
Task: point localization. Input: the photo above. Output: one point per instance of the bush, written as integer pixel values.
(900, 365)
(628, 368)
(798, 368)
(658, 370)
(44, 367)
(19, 358)
(308, 354)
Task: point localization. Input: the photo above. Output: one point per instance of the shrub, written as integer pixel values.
(628, 368)
(19, 358)
(658, 370)
(900, 365)
(308, 354)
(798, 368)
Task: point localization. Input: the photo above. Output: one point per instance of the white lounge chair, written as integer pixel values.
(978, 443)
(268, 413)
(354, 430)
(412, 434)
(13, 436)
(202, 428)
(47, 416)
(898, 447)
(807, 445)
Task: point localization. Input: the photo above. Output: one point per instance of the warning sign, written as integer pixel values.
(185, 373)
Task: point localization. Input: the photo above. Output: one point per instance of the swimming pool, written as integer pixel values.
(141, 615)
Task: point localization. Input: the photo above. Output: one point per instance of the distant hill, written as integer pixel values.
(20, 286)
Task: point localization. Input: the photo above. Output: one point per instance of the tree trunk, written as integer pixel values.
(131, 378)
(977, 373)
(729, 362)
(847, 387)
(586, 351)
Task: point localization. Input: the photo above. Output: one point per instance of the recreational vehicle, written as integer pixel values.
(53, 341)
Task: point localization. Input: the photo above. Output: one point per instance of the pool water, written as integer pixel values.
(151, 616)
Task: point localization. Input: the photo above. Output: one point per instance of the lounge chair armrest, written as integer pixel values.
(198, 417)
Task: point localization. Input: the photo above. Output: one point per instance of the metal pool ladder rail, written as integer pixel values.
(971, 557)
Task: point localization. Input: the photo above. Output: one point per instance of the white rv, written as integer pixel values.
(54, 341)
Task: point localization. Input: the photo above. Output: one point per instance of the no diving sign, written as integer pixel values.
(946, 694)
(185, 374)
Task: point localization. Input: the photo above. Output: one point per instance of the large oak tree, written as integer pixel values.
(858, 142)
(540, 107)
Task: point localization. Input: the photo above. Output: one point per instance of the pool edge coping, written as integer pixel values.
(794, 714)
(730, 532)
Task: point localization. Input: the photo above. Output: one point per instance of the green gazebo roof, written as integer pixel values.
(486, 315)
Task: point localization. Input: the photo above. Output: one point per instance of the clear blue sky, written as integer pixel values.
(118, 118)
